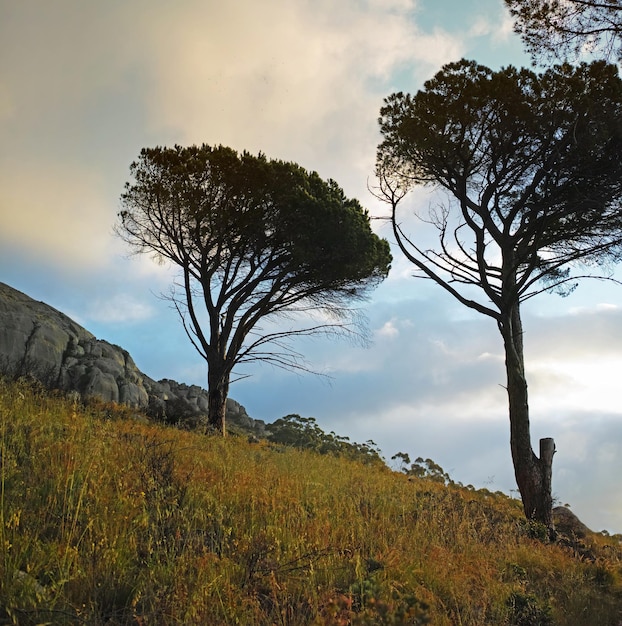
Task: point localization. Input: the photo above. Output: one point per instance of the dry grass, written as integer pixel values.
(106, 519)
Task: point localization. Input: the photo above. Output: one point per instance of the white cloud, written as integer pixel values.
(599, 307)
(61, 66)
(119, 308)
(500, 29)
(56, 213)
(561, 385)
(388, 330)
(481, 27)
(7, 106)
(505, 29)
(61, 55)
(298, 80)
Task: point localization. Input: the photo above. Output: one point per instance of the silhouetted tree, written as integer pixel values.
(533, 167)
(556, 29)
(254, 238)
(304, 433)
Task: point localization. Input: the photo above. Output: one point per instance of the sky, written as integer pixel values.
(85, 85)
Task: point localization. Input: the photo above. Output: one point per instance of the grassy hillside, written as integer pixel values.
(107, 519)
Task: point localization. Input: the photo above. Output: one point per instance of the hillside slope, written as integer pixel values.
(110, 520)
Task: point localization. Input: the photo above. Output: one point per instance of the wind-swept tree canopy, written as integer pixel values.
(254, 238)
(533, 167)
(568, 28)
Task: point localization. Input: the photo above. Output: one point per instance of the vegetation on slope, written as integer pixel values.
(106, 518)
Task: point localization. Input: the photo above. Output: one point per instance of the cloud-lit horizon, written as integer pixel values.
(85, 86)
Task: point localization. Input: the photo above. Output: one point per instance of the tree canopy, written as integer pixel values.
(532, 160)
(560, 28)
(254, 238)
(532, 167)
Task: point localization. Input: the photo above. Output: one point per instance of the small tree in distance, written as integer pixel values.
(533, 167)
(254, 239)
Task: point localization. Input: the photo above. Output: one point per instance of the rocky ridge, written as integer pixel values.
(37, 339)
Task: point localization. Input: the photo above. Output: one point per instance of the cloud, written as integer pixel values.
(86, 86)
(299, 80)
(500, 29)
(62, 57)
(573, 359)
(61, 68)
(55, 212)
(434, 362)
(388, 330)
(7, 106)
(119, 308)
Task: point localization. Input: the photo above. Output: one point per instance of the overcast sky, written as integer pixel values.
(85, 85)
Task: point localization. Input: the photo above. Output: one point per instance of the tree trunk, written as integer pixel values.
(533, 474)
(217, 392)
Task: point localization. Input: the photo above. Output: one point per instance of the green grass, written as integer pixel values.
(108, 519)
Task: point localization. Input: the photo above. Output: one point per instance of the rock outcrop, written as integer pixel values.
(568, 523)
(37, 339)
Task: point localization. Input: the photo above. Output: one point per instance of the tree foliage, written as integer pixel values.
(532, 167)
(533, 163)
(422, 468)
(254, 238)
(569, 28)
(305, 433)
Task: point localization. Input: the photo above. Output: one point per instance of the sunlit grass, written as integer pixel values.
(108, 519)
